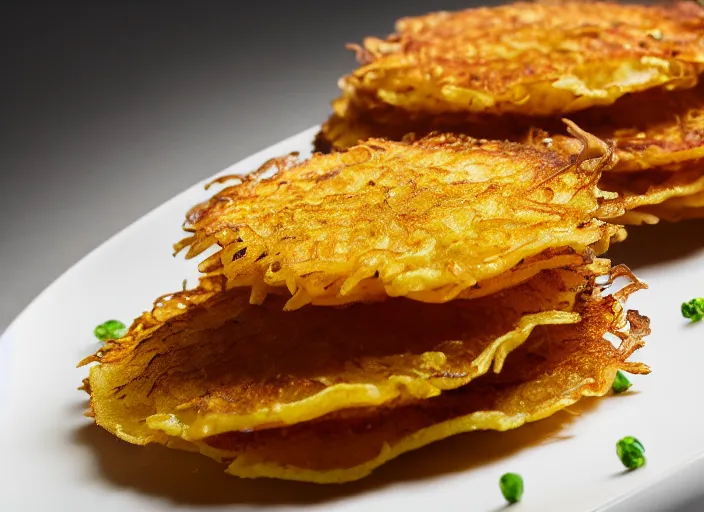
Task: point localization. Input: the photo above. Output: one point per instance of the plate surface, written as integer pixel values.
(53, 455)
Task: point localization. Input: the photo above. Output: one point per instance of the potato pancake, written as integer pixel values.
(275, 394)
(556, 367)
(648, 196)
(535, 59)
(656, 129)
(444, 217)
(225, 365)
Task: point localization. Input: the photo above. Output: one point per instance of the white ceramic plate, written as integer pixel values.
(53, 458)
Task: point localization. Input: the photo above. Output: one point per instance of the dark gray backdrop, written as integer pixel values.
(110, 108)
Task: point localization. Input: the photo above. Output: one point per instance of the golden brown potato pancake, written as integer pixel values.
(652, 129)
(535, 59)
(224, 365)
(652, 195)
(556, 367)
(443, 217)
(675, 209)
(275, 353)
(665, 211)
(658, 137)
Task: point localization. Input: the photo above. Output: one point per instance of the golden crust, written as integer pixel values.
(649, 195)
(441, 217)
(556, 367)
(658, 138)
(529, 58)
(671, 210)
(652, 129)
(670, 214)
(224, 365)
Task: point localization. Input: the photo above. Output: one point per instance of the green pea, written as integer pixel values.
(631, 452)
(621, 383)
(694, 309)
(110, 330)
(511, 485)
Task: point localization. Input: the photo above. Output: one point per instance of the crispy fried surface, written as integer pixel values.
(529, 58)
(679, 208)
(653, 129)
(658, 136)
(665, 211)
(671, 210)
(556, 367)
(441, 217)
(226, 365)
(553, 368)
(650, 195)
(351, 124)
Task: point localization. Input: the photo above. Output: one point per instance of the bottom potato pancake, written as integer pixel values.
(555, 368)
(227, 365)
(328, 394)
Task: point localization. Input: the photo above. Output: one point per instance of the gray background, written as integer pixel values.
(108, 110)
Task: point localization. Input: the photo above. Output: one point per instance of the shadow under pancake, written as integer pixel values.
(649, 245)
(188, 478)
(472, 450)
(192, 479)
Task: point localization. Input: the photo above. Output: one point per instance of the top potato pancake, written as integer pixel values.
(444, 217)
(547, 58)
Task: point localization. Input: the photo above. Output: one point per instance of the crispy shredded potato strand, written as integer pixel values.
(650, 195)
(660, 172)
(444, 216)
(658, 136)
(679, 208)
(663, 211)
(656, 129)
(653, 129)
(529, 58)
(556, 367)
(225, 365)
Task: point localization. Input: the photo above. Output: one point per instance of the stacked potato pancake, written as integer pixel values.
(628, 73)
(365, 303)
